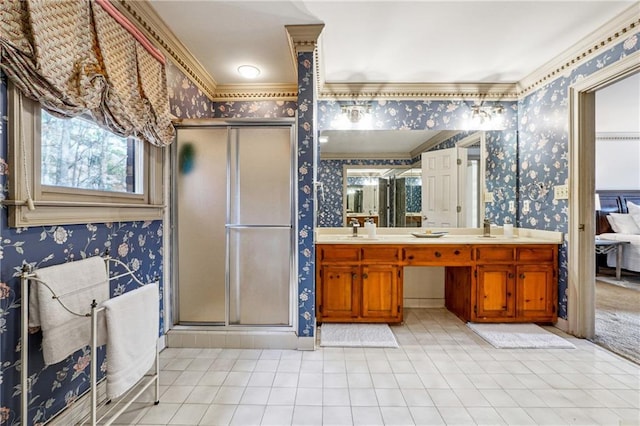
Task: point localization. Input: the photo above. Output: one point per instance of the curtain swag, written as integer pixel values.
(77, 57)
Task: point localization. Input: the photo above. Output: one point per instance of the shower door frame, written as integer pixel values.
(174, 315)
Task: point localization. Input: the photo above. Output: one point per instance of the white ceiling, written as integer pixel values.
(386, 41)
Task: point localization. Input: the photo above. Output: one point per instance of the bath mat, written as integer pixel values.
(357, 335)
(519, 336)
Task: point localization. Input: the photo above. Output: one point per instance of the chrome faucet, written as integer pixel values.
(487, 228)
(355, 225)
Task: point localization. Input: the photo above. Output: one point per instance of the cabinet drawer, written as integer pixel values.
(437, 255)
(495, 254)
(538, 254)
(381, 254)
(342, 253)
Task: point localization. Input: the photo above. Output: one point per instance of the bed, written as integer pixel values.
(617, 203)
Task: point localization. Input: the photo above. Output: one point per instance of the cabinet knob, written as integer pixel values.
(457, 252)
(510, 275)
(365, 276)
(438, 254)
(354, 276)
(410, 257)
(522, 276)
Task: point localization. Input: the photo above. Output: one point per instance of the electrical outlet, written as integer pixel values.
(561, 192)
(512, 206)
(488, 197)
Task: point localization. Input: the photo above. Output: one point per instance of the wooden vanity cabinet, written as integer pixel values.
(483, 282)
(516, 284)
(359, 284)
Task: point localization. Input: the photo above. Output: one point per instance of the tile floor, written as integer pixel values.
(442, 374)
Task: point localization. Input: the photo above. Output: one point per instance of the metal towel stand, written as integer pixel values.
(28, 275)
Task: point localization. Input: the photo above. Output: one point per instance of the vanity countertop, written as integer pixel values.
(452, 236)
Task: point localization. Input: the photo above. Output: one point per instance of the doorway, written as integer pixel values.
(581, 235)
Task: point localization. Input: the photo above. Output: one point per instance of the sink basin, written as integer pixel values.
(359, 237)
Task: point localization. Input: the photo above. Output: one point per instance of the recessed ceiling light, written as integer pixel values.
(248, 71)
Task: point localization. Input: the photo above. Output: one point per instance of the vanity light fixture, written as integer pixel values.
(357, 112)
(323, 139)
(482, 113)
(248, 71)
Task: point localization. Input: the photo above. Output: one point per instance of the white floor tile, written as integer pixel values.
(189, 414)
(218, 415)
(247, 415)
(442, 374)
(396, 416)
(336, 416)
(426, 416)
(366, 416)
(277, 415)
(305, 415)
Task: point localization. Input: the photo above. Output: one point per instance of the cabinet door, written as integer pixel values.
(381, 295)
(535, 292)
(339, 293)
(495, 292)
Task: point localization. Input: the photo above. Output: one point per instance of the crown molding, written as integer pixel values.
(433, 141)
(260, 92)
(371, 91)
(147, 20)
(618, 136)
(599, 40)
(365, 156)
(303, 38)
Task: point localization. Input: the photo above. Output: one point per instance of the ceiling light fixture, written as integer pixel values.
(248, 71)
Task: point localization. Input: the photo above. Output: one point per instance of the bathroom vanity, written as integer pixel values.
(494, 279)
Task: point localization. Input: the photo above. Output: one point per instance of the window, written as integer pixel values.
(77, 153)
(77, 172)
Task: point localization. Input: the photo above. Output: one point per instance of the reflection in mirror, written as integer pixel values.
(395, 157)
(389, 196)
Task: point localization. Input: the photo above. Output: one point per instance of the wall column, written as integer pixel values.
(302, 39)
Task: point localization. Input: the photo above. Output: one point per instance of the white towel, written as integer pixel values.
(132, 333)
(62, 332)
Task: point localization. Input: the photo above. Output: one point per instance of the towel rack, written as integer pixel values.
(28, 275)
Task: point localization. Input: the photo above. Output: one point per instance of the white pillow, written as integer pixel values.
(634, 212)
(623, 223)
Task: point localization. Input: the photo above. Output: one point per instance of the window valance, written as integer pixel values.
(76, 57)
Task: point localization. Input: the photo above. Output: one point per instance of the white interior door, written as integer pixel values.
(443, 188)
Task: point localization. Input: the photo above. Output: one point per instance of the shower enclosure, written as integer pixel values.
(234, 245)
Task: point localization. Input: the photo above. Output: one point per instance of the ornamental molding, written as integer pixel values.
(616, 136)
(147, 20)
(599, 40)
(432, 91)
(248, 92)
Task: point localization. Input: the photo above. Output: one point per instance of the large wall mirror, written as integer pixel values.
(378, 175)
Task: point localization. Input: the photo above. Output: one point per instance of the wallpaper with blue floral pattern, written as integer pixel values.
(254, 109)
(137, 244)
(543, 151)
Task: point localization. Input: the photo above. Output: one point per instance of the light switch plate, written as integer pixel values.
(561, 192)
(488, 197)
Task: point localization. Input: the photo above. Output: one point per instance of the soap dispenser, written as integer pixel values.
(507, 228)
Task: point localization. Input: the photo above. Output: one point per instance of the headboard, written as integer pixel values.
(613, 201)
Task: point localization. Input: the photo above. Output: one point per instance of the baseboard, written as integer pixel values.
(306, 343)
(563, 325)
(423, 303)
